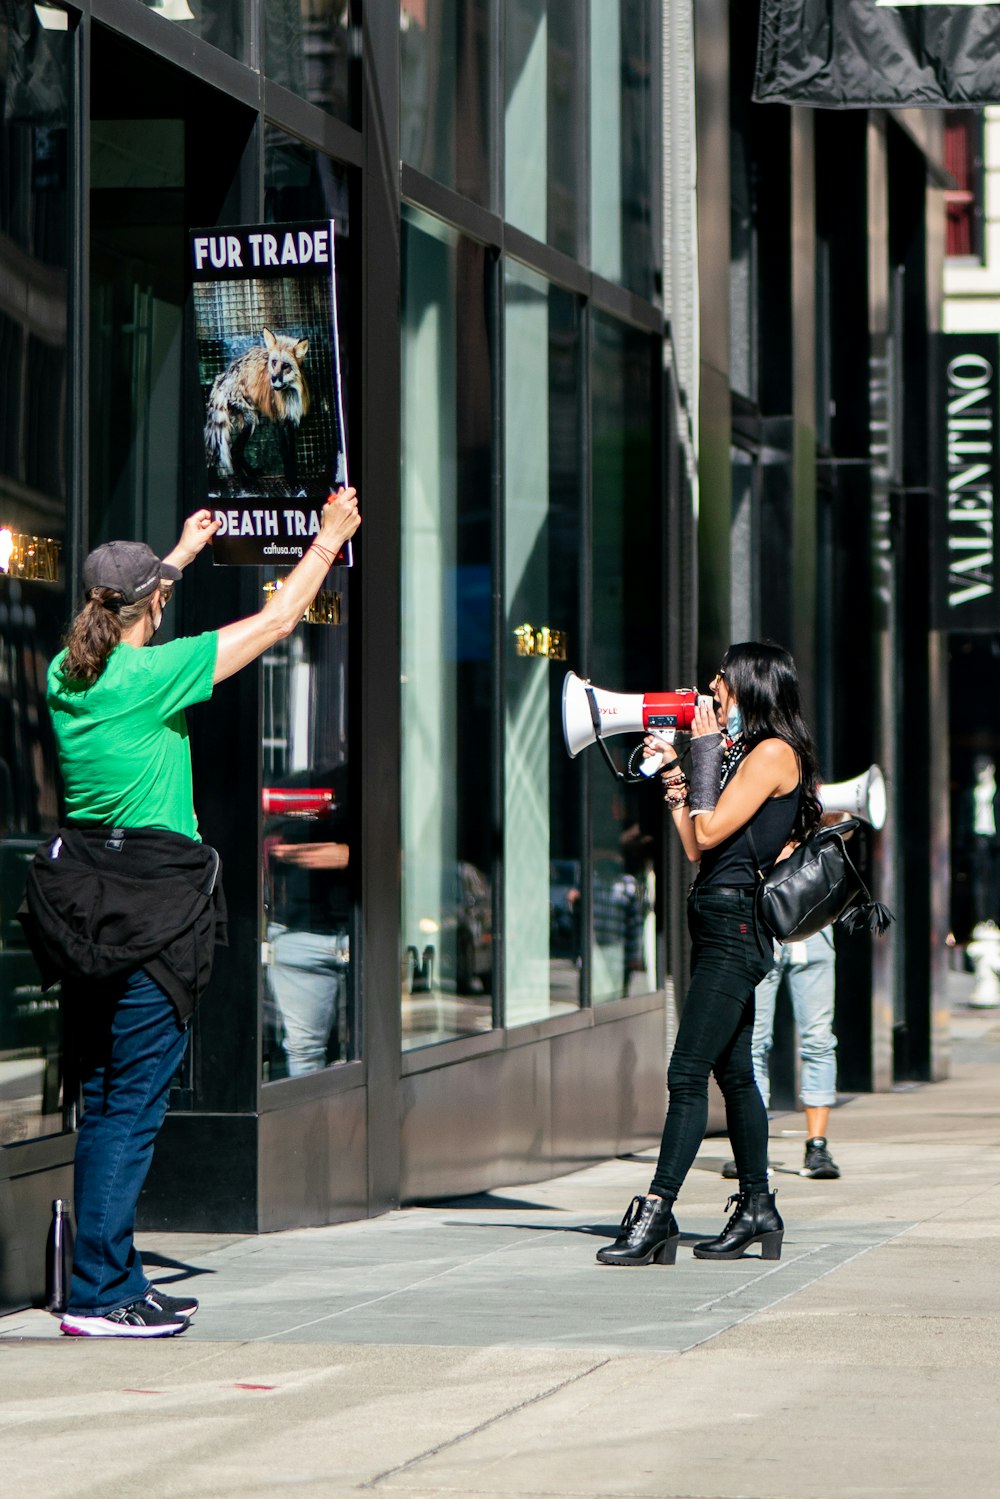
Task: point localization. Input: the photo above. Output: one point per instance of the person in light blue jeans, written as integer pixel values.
(309, 981)
(809, 970)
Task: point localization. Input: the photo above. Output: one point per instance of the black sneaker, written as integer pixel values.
(141, 1319)
(731, 1174)
(177, 1306)
(819, 1163)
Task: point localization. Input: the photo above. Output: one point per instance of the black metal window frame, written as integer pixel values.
(371, 149)
(505, 240)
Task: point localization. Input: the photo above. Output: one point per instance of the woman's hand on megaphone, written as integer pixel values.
(705, 721)
(654, 745)
(657, 754)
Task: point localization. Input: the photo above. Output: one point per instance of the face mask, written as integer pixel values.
(734, 722)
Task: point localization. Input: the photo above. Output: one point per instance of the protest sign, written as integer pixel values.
(271, 404)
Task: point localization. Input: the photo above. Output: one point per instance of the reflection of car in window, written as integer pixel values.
(463, 938)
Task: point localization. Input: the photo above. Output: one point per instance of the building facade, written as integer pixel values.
(389, 791)
(632, 368)
(820, 266)
(971, 356)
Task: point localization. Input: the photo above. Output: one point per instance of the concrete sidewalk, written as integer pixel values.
(476, 1348)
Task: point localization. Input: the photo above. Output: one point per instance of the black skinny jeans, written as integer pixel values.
(727, 964)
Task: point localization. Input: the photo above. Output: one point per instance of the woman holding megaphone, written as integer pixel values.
(758, 772)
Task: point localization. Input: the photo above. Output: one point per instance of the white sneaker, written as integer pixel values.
(142, 1319)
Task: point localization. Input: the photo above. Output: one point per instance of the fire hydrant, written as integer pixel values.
(984, 950)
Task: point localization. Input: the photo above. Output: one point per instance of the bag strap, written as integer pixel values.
(758, 920)
(864, 912)
(754, 856)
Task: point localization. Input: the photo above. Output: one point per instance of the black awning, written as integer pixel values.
(856, 54)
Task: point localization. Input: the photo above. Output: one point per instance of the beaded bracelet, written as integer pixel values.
(677, 789)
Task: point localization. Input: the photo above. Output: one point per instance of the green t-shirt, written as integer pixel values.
(123, 742)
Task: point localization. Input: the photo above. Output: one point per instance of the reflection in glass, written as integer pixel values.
(221, 22)
(624, 175)
(34, 83)
(307, 878)
(447, 675)
(309, 1018)
(626, 656)
(445, 72)
(542, 498)
(137, 294)
(544, 113)
(303, 183)
(743, 252)
(313, 48)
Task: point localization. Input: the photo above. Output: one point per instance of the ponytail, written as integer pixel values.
(96, 631)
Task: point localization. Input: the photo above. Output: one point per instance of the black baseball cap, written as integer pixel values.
(131, 568)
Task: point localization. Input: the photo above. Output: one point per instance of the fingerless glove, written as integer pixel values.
(705, 773)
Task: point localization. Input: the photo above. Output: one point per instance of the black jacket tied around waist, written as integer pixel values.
(101, 901)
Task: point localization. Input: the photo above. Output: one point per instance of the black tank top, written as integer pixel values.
(730, 862)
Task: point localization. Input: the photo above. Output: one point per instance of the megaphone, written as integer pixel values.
(863, 797)
(591, 714)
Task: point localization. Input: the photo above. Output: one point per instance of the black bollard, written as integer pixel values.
(58, 1257)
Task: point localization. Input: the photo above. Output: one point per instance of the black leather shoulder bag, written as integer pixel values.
(816, 885)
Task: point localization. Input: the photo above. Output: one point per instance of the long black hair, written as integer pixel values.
(762, 678)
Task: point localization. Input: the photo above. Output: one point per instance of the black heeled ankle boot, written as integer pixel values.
(755, 1221)
(648, 1232)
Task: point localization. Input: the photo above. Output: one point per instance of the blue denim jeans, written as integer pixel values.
(809, 969)
(727, 963)
(308, 978)
(131, 1044)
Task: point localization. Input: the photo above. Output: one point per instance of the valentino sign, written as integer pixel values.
(966, 591)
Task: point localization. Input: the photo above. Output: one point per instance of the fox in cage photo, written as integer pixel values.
(270, 413)
(267, 384)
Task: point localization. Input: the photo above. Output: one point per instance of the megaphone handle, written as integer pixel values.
(654, 763)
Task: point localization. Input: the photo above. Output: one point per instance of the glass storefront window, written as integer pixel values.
(542, 524)
(624, 174)
(34, 84)
(313, 48)
(625, 655)
(308, 878)
(446, 51)
(221, 22)
(137, 252)
(446, 767)
(544, 119)
(309, 1009)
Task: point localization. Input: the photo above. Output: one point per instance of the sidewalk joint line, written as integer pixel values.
(797, 1290)
(476, 1431)
(749, 1284)
(412, 1285)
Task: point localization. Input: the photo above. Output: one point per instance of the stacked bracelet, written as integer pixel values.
(676, 790)
(327, 556)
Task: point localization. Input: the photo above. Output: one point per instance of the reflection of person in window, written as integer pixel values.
(984, 840)
(307, 859)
